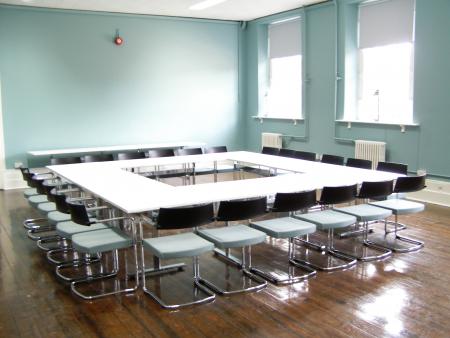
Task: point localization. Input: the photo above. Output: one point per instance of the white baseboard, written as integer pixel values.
(436, 192)
(11, 179)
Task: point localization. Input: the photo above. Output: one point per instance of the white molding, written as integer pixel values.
(436, 192)
(11, 179)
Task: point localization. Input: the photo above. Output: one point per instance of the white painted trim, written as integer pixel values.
(12, 179)
(436, 192)
(2, 141)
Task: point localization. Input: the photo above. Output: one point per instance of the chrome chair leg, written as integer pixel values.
(86, 261)
(197, 284)
(280, 277)
(89, 279)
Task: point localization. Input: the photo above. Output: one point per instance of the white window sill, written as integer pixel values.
(401, 125)
(293, 119)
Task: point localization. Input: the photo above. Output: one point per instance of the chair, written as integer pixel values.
(169, 171)
(98, 242)
(392, 167)
(26, 175)
(130, 156)
(64, 160)
(332, 159)
(153, 153)
(179, 246)
(359, 163)
(329, 220)
(398, 207)
(287, 152)
(97, 158)
(188, 151)
(217, 149)
(305, 155)
(366, 213)
(288, 228)
(237, 236)
(270, 151)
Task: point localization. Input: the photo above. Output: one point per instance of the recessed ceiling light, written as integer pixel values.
(205, 4)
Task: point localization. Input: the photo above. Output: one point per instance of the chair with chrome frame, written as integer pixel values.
(181, 245)
(359, 163)
(305, 155)
(286, 153)
(400, 206)
(64, 160)
(164, 171)
(216, 149)
(288, 228)
(130, 156)
(220, 168)
(270, 151)
(237, 236)
(190, 168)
(97, 158)
(332, 159)
(366, 213)
(393, 167)
(98, 242)
(329, 220)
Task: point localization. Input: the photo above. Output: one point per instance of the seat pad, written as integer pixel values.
(56, 216)
(177, 246)
(36, 199)
(30, 192)
(284, 227)
(366, 212)
(400, 206)
(328, 219)
(233, 236)
(46, 207)
(68, 228)
(100, 241)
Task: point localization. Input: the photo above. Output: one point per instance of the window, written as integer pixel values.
(283, 98)
(385, 67)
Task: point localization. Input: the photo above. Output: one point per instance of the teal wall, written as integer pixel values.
(65, 84)
(422, 147)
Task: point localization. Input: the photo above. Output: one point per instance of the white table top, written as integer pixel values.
(114, 148)
(136, 194)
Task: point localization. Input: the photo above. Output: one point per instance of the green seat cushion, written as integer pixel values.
(30, 192)
(328, 219)
(177, 246)
(365, 212)
(233, 236)
(284, 227)
(36, 199)
(400, 206)
(68, 228)
(100, 241)
(46, 207)
(56, 216)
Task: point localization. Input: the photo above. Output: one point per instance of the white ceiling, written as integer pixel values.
(238, 10)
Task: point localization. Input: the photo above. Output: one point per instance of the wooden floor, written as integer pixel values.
(405, 295)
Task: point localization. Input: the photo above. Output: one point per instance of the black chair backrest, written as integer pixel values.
(293, 201)
(97, 158)
(28, 177)
(392, 167)
(218, 149)
(270, 151)
(189, 151)
(64, 160)
(359, 163)
(332, 159)
(160, 153)
(186, 217)
(335, 195)
(305, 155)
(376, 189)
(48, 187)
(409, 183)
(60, 202)
(241, 209)
(38, 184)
(130, 156)
(78, 213)
(286, 152)
(24, 171)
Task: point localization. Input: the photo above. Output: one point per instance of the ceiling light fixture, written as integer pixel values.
(205, 4)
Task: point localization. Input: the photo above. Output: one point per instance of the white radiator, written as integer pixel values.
(370, 150)
(273, 140)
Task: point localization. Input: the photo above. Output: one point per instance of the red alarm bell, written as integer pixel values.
(118, 40)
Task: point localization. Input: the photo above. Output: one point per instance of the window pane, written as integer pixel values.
(284, 95)
(386, 84)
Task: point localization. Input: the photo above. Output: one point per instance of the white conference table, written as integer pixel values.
(128, 147)
(135, 194)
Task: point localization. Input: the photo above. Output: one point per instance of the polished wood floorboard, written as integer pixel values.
(407, 295)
